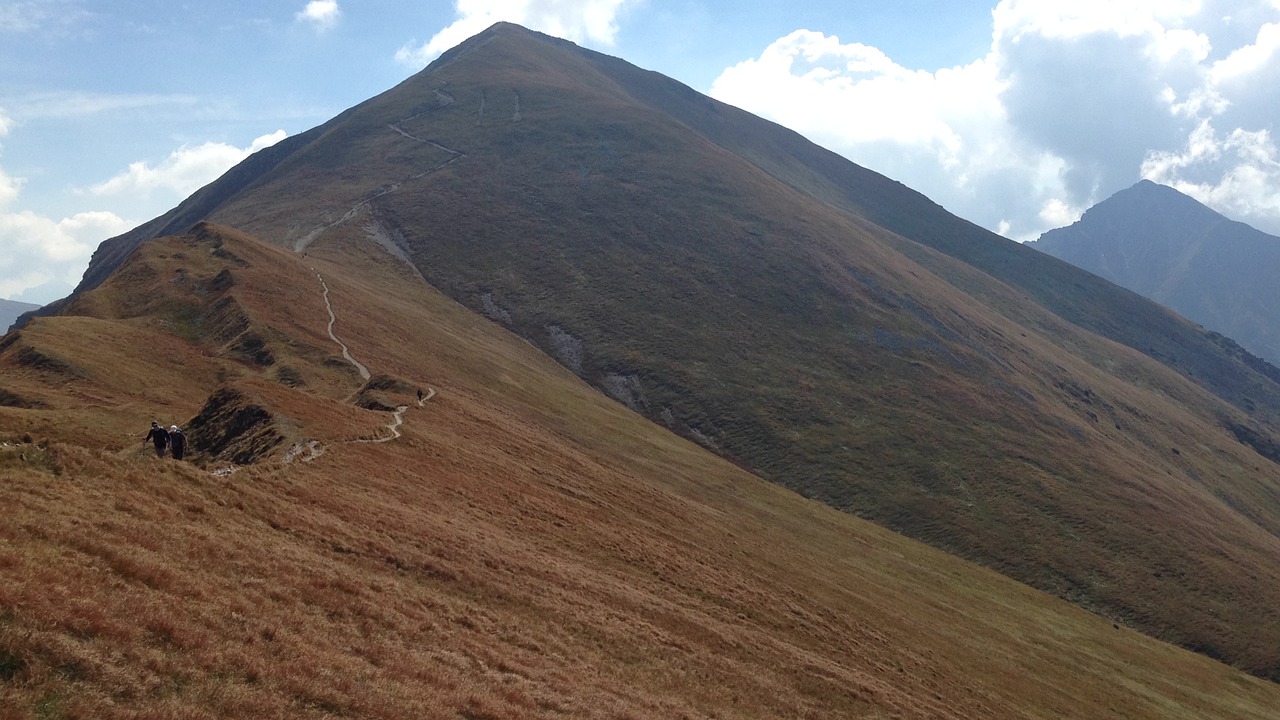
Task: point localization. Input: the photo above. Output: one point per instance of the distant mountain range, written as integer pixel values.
(807, 319)
(10, 310)
(1167, 246)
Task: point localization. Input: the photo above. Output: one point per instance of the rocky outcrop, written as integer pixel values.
(233, 427)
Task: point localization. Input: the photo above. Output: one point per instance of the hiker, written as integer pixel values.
(419, 396)
(177, 442)
(159, 436)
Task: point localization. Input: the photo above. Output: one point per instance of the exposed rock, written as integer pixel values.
(626, 390)
(1263, 444)
(49, 364)
(11, 399)
(234, 428)
(224, 321)
(222, 281)
(388, 383)
(493, 310)
(251, 347)
(565, 348)
(290, 377)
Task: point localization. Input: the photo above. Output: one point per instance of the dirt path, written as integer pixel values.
(302, 243)
(312, 449)
(397, 419)
(364, 371)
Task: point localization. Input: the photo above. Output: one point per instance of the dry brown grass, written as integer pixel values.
(528, 549)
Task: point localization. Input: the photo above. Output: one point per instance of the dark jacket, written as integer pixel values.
(158, 435)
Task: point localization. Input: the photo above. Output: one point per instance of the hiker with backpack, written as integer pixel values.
(159, 436)
(177, 442)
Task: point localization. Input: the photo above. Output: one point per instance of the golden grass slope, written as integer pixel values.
(527, 548)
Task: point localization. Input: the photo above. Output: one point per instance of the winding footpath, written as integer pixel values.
(364, 371)
(301, 244)
(312, 448)
(393, 426)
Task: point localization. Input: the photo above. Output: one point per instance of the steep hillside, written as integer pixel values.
(1168, 247)
(518, 547)
(815, 323)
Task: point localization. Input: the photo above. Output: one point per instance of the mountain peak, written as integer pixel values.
(1171, 248)
(1158, 202)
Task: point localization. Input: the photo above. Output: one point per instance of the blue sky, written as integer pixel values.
(1017, 115)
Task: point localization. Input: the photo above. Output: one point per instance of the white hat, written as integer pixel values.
(173, 428)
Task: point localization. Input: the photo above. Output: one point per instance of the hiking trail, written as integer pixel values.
(393, 426)
(301, 244)
(346, 353)
(313, 449)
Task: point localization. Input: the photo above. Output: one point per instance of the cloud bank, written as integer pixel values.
(1071, 103)
(184, 171)
(576, 20)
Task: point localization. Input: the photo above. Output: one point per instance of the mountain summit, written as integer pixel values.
(805, 318)
(1167, 246)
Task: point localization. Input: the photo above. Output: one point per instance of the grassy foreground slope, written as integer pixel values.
(526, 548)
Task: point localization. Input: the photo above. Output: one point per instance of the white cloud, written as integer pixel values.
(577, 20)
(1249, 59)
(44, 258)
(323, 15)
(1057, 213)
(1071, 103)
(9, 189)
(812, 81)
(186, 170)
(946, 133)
(41, 259)
(1237, 173)
(1016, 20)
(72, 104)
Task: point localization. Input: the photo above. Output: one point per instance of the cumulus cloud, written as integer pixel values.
(1238, 173)
(577, 20)
(44, 258)
(9, 189)
(1071, 103)
(322, 15)
(185, 170)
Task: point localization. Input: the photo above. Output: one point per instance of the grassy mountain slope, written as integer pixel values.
(1166, 246)
(818, 324)
(526, 548)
